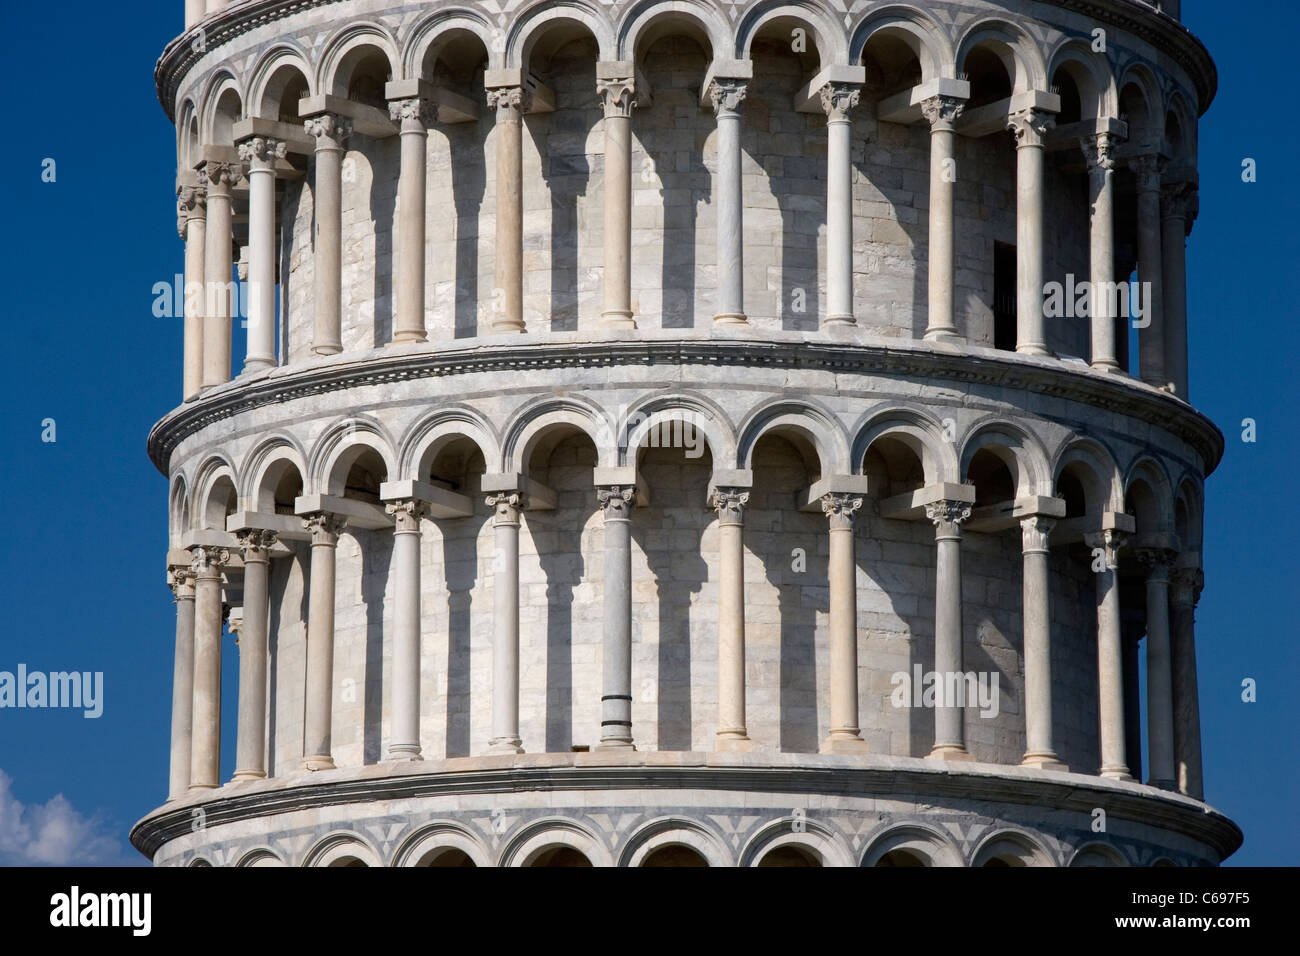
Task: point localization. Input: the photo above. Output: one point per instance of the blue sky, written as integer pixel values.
(85, 516)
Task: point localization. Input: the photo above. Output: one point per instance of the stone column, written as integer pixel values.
(1110, 656)
(331, 132)
(405, 742)
(250, 749)
(182, 584)
(1185, 590)
(217, 266)
(505, 737)
(318, 710)
(192, 223)
(949, 715)
(1030, 127)
(1036, 611)
(837, 100)
(1178, 207)
(413, 115)
(727, 95)
(617, 502)
(732, 734)
(1131, 631)
(510, 103)
(618, 95)
(941, 112)
(1160, 702)
(194, 12)
(205, 753)
(845, 733)
(1099, 151)
(259, 155)
(1151, 334)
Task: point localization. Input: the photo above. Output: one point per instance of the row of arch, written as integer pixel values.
(909, 447)
(681, 841)
(902, 45)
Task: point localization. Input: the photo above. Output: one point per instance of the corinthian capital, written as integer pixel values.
(840, 509)
(417, 111)
(941, 111)
(254, 543)
(1031, 126)
(1158, 562)
(947, 516)
(1148, 168)
(221, 176)
(838, 98)
(191, 203)
(1034, 532)
(617, 95)
(329, 129)
(506, 506)
(726, 94)
(181, 581)
(207, 561)
(1180, 201)
(729, 503)
(616, 501)
(407, 513)
(325, 528)
(509, 98)
(261, 153)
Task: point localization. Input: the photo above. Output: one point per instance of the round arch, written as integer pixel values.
(217, 114)
(645, 20)
(1106, 490)
(262, 856)
(933, 847)
(647, 415)
(347, 48)
(919, 430)
(208, 485)
(1097, 854)
(819, 425)
(531, 422)
(342, 849)
(269, 82)
(832, 46)
(1010, 848)
(914, 27)
(1098, 94)
(541, 18)
(816, 838)
(439, 837)
(1017, 447)
(547, 834)
(430, 434)
(674, 831)
(1145, 111)
(1156, 513)
(1009, 42)
(275, 450)
(335, 442)
(434, 29)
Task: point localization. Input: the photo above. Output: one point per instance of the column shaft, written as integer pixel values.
(1179, 202)
(250, 749)
(510, 103)
(837, 100)
(182, 684)
(845, 731)
(616, 687)
(412, 115)
(318, 711)
(259, 156)
(1030, 126)
(1099, 152)
(217, 272)
(205, 753)
(619, 97)
(1151, 328)
(732, 732)
(941, 112)
(949, 713)
(1040, 748)
(1110, 659)
(405, 742)
(330, 132)
(192, 221)
(1160, 704)
(1186, 698)
(727, 95)
(505, 643)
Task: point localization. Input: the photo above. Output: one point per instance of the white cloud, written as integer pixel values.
(53, 833)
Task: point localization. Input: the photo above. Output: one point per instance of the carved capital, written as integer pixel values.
(1099, 151)
(947, 516)
(617, 95)
(1180, 201)
(838, 99)
(260, 153)
(221, 176)
(254, 543)
(1185, 586)
(506, 506)
(616, 501)
(325, 528)
(726, 95)
(330, 130)
(729, 503)
(414, 113)
(941, 112)
(840, 509)
(1159, 562)
(181, 581)
(207, 562)
(191, 203)
(1111, 542)
(1031, 126)
(407, 513)
(509, 98)
(1034, 532)
(1148, 169)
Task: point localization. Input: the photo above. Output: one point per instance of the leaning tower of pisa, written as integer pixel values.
(685, 433)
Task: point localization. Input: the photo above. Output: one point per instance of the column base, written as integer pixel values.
(326, 349)
(404, 754)
(617, 320)
(1034, 349)
(1117, 773)
(201, 786)
(842, 320)
(1163, 784)
(614, 745)
(409, 338)
(1044, 762)
(949, 752)
(844, 742)
(318, 762)
(244, 775)
(506, 326)
(731, 741)
(257, 365)
(505, 745)
(731, 318)
(1107, 368)
(947, 336)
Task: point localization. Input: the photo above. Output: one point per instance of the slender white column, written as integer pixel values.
(182, 583)
(1151, 335)
(941, 112)
(1036, 611)
(1099, 150)
(259, 155)
(215, 6)
(250, 748)
(949, 715)
(618, 95)
(192, 223)
(331, 132)
(510, 103)
(318, 714)
(1184, 592)
(732, 734)
(1110, 657)
(414, 115)
(726, 95)
(505, 737)
(1179, 203)
(217, 270)
(617, 502)
(845, 732)
(205, 751)
(405, 742)
(1160, 702)
(194, 12)
(1030, 127)
(838, 99)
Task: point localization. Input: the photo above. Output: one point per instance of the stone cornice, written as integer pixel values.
(1134, 16)
(1118, 394)
(876, 776)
